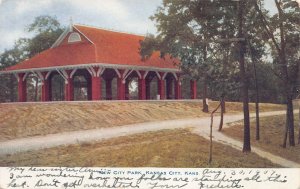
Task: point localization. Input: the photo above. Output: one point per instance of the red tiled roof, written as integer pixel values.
(107, 47)
(60, 56)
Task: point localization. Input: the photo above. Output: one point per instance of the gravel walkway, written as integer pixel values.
(200, 126)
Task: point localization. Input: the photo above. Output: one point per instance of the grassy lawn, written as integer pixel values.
(271, 136)
(24, 120)
(167, 148)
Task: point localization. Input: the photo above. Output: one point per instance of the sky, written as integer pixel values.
(122, 15)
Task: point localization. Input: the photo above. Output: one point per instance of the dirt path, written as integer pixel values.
(200, 126)
(21, 120)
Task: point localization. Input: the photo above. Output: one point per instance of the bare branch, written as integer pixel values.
(266, 26)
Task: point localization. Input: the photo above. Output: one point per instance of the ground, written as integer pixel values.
(271, 136)
(167, 148)
(27, 119)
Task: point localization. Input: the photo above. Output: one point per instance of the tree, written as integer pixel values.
(254, 54)
(189, 30)
(46, 29)
(8, 58)
(282, 34)
(245, 85)
(186, 29)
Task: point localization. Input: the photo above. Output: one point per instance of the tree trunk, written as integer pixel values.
(205, 105)
(285, 132)
(222, 102)
(299, 127)
(290, 115)
(204, 48)
(210, 132)
(223, 106)
(210, 138)
(257, 136)
(289, 131)
(246, 145)
(285, 77)
(289, 102)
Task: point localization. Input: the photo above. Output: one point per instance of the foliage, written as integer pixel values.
(282, 31)
(8, 83)
(46, 30)
(189, 30)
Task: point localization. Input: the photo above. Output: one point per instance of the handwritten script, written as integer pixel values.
(152, 178)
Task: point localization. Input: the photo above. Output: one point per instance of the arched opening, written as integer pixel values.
(109, 84)
(131, 87)
(80, 88)
(170, 86)
(151, 85)
(56, 87)
(33, 88)
(82, 85)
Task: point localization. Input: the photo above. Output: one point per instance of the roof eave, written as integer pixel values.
(104, 65)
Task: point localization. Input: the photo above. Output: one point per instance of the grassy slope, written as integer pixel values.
(23, 120)
(272, 129)
(168, 148)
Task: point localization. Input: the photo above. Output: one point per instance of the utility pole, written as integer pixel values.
(242, 49)
(240, 40)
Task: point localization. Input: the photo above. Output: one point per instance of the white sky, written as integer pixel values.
(123, 15)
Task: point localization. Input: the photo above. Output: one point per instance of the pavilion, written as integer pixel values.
(100, 56)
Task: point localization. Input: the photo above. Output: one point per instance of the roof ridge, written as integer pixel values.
(111, 30)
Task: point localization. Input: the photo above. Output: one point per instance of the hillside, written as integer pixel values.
(19, 120)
